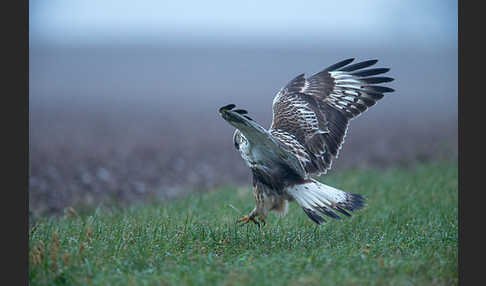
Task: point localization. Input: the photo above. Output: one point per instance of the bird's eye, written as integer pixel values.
(237, 146)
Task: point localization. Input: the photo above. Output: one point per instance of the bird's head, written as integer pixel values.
(239, 140)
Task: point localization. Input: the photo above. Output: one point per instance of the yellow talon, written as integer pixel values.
(246, 219)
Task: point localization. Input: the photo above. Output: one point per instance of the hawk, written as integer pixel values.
(310, 119)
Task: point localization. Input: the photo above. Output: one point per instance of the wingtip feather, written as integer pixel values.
(339, 64)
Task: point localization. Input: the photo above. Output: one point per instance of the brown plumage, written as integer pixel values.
(316, 111)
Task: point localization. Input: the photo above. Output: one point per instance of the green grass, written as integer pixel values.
(407, 235)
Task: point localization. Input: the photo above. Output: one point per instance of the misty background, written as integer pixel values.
(124, 95)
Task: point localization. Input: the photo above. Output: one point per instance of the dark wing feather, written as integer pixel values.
(316, 111)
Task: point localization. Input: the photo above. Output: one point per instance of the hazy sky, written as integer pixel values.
(75, 21)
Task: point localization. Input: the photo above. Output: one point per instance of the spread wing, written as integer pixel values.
(316, 111)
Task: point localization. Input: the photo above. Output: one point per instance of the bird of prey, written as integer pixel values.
(310, 119)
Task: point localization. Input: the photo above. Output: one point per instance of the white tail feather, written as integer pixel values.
(316, 198)
(316, 193)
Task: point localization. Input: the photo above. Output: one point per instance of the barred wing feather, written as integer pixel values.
(315, 112)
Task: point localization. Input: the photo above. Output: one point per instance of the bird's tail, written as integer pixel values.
(317, 199)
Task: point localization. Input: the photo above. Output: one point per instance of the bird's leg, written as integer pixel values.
(251, 217)
(259, 210)
(262, 219)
